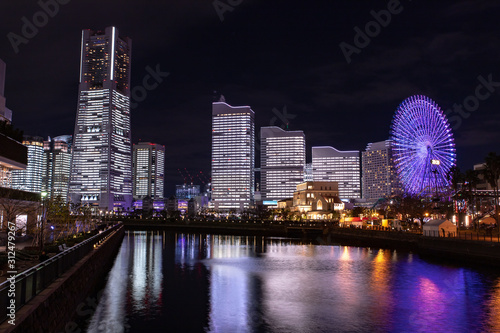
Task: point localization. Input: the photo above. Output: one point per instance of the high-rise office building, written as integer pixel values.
(149, 170)
(30, 180)
(233, 156)
(56, 166)
(343, 167)
(379, 175)
(5, 113)
(101, 167)
(283, 159)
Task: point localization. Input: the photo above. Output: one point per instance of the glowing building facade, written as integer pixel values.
(186, 191)
(13, 154)
(233, 156)
(317, 200)
(56, 166)
(283, 159)
(30, 180)
(343, 167)
(380, 179)
(149, 170)
(101, 168)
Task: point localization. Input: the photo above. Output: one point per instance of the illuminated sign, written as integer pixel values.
(436, 162)
(270, 203)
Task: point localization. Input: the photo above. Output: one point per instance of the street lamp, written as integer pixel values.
(44, 195)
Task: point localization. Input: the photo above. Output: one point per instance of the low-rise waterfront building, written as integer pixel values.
(317, 200)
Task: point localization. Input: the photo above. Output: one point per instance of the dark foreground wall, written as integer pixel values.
(476, 252)
(62, 306)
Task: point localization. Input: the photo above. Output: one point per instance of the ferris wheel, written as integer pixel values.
(423, 146)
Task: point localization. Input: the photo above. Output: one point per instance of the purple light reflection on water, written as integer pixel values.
(193, 283)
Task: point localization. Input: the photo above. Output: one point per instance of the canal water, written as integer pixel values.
(168, 282)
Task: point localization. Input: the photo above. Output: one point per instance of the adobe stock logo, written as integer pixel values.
(222, 7)
(483, 91)
(280, 119)
(284, 117)
(29, 28)
(372, 29)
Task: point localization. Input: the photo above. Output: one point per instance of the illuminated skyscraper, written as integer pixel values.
(233, 156)
(379, 175)
(149, 170)
(30, 179)
(343, 167)
(283, 159)
(101, 168)
(56, 166)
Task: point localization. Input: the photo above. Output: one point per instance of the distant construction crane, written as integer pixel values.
(184, 178)
(205, 177)
(189, 175)
(202, 181)
(186, 175)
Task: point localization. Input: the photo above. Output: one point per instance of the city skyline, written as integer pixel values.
(290, 66)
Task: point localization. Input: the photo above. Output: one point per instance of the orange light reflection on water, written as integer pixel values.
(494, 305)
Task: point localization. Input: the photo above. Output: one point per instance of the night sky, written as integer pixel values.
(283, 58)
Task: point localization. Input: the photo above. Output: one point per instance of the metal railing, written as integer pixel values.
(477, 236)
(34, 280)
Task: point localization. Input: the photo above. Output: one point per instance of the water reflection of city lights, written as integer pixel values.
(253, 284)
(494, 305)
(345, 254)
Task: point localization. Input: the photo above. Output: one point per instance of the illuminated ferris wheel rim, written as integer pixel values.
(423, 145)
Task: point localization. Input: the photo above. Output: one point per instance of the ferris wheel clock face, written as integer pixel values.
(423, 146)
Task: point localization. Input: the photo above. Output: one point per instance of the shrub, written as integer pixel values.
(33, 250)
(52, 248)
(3, 259)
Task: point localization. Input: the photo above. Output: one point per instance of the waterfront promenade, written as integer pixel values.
(468, 246)
(288, 228)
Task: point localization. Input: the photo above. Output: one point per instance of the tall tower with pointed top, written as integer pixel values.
(101, 168)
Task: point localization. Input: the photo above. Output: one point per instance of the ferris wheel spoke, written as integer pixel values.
(421, 133)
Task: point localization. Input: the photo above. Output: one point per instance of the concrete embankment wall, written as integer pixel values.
(477, 252)
(54, 309)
